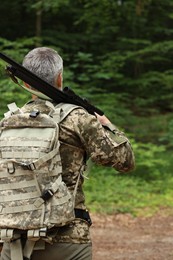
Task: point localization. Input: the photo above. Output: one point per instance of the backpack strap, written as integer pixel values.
(16, 249)
(13, 237)
(62, 110)
(28, 249)
(13, 109)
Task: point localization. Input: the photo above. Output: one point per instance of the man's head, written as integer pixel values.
(46, 64)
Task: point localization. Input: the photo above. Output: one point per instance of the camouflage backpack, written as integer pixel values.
(33, 196)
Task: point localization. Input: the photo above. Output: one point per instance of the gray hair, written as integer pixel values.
(45, 62)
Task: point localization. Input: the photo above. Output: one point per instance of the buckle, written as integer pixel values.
(34, 114)
(29, 166)
(83, 214)
(43, 232)
(10, 168)
(47, 194)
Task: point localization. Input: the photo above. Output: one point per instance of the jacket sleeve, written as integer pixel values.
(102, 146)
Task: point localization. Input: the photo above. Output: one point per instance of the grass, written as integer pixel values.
(135, 193)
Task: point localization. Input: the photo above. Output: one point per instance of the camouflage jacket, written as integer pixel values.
(82, 137)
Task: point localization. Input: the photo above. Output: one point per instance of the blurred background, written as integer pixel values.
(118, 54)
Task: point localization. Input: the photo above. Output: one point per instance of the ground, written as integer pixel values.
(124, 237)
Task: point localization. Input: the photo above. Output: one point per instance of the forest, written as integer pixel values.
(119, 55)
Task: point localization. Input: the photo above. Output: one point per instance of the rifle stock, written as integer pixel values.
(66, 96)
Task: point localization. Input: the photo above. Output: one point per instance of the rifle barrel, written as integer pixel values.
(36, 82)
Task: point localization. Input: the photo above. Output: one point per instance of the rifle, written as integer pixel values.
(65, 96)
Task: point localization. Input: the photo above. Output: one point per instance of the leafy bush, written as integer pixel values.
(141, 192)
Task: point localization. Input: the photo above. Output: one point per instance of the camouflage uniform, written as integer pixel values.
(82, 137)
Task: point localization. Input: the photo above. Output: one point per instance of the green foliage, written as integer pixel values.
(143, 191)
(118, 55)
(46, 6)
(17, 49)
(11, 93)
(167, 138)
(149, 161)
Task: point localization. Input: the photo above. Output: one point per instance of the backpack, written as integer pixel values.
(33, 197)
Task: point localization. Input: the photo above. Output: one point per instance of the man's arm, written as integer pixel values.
(102, 146)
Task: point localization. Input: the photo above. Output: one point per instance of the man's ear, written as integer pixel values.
(59, 81)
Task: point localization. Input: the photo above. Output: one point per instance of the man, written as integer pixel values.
(82, 136)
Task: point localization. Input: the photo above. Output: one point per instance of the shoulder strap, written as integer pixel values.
(13, 109)
(62, 110)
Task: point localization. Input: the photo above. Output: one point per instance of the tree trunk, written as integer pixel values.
(38, 26)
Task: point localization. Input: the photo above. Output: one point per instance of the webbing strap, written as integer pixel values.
(53, 188)
(13, 186)
(17, 209)
(20, 172)
(37, 163)
(56, 184)
(63, 109)
(5, 174)
(51, 106)
(13, 108)
(28, 249)
(60, 201)
(78, 178)
(27, 143)
(16, 250)
(54, 202)
(19, 155)
(56, 115)
(28, 132)
(28, 195)
(6, 234)
(46, 157)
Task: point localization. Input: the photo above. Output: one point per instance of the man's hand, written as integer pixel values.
(103, 119)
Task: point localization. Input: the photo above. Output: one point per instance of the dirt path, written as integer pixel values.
(125, 238)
